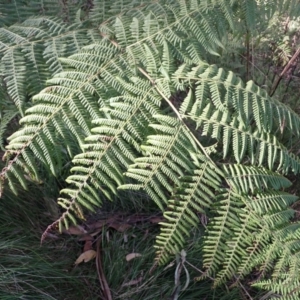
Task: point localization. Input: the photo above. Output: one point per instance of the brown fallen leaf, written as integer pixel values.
(133, 282)
(88, 245)
(97, 225)
(85, 237)
(85, 256)
(121, 227)
(156, 220)
(131, 256)
(77, 230)
(135, 219)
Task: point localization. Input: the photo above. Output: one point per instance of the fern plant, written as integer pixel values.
(137, 96)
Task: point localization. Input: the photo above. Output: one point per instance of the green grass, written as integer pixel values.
(29, 270)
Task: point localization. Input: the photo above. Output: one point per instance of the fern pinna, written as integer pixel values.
(109, 107)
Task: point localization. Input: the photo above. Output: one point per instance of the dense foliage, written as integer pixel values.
(193, 103)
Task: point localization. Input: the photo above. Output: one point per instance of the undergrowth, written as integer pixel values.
(29, 270)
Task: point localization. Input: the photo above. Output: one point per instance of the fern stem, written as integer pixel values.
(175, 111)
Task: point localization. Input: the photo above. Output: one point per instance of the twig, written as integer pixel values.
(244, 289)
(247, 54)
(176, 112)
(203, 273)
(284, 71)
(101, 275)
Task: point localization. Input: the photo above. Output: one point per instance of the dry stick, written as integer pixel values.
(101, 275)
(286, 24)
(174, 110)
(203, 273)
(244, 289)
(284, 71)
(247, 54)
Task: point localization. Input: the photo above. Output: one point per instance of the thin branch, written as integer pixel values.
(102, 279)
(175, 111)
(243, 288)
(288, 65)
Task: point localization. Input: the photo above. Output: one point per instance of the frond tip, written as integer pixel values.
(191, 198)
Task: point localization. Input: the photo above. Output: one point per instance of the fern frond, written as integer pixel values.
(286, 289)
(54, 117)
(113, 106)
(228, 93)
(15, 81)
(105, 9)
(288, 7)
(226, 8)
(193, 196)
(17, 11)
(247, 179)
(227, 206)
(249, 13)
(243, 117)
(108, 152)
(250, 231)
(99, 65)
(6, 116)
(158, 172)
(8, 112)
(271, 201)
(26, 49)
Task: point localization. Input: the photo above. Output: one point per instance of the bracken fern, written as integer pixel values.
(103, 93)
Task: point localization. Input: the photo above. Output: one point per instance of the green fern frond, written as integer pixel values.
(14, 60)
(98, 65)
(271, 201)
(105, 9)
(114, 108)
(249, 13)
(192, 197)
(159, 170)
(17, 11)
(250, 231)
(271, 247)
(251, 105)
(237, 247)
(54, 117)
(227, 207)
(270, 151)
(242, 117)
(226, 9)
(247, 179)
(108, 152)
(285, 289)
(7, 115)
(26, 49)
(277, 7)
